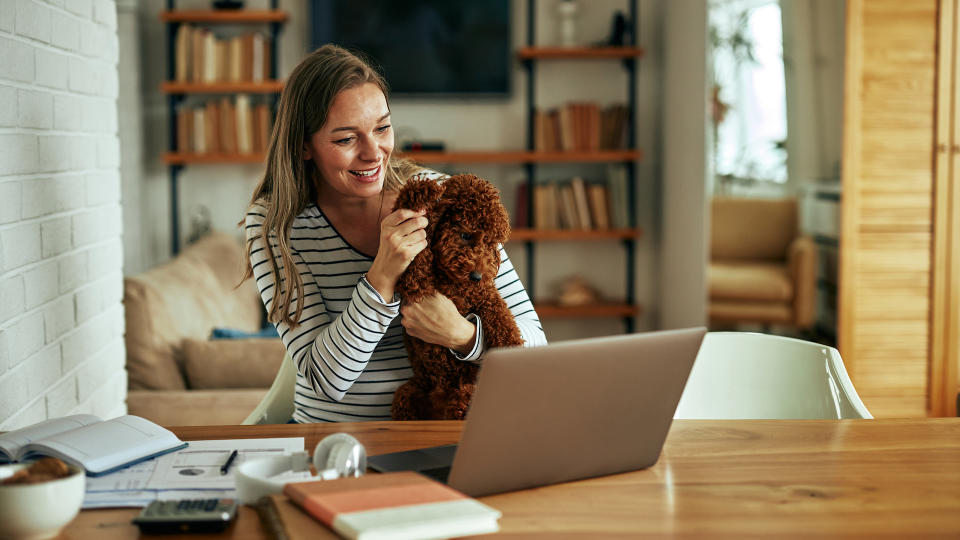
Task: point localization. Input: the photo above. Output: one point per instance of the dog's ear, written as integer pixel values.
(469, 195)
(418, 194)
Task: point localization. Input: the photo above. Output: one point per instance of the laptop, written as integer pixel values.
(571, 410)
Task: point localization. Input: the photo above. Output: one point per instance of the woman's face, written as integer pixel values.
(351, 149)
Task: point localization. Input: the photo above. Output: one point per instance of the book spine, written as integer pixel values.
(581, 203)
(244, 125)
(199, 128)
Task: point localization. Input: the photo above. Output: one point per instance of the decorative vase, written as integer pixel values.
(567, 13)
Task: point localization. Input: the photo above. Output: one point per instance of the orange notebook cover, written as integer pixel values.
(392, 505)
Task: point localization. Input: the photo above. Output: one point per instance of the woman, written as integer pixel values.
(336, 249)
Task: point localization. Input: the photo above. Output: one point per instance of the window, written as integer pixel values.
(749, 115)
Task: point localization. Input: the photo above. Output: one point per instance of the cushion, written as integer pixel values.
(194, 407)
(242, 363)
(766, 312)
(185, 298)
(750, 228)
(734, 280)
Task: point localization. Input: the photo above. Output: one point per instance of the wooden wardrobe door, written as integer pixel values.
(887, 224)
(944, 319)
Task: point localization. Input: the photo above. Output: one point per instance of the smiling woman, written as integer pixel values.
(326, 249)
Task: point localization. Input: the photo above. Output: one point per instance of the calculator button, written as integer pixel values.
(210, 505)
(183, 505)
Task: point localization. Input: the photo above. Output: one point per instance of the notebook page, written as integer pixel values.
(109, 444)
(12, 442)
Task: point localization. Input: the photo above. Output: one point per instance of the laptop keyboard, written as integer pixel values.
(439, 474)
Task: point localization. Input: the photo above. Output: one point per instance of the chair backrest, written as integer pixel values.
(743, 375)
(751, 228)
(276, 407)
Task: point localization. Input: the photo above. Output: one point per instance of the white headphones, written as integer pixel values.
(336, 456)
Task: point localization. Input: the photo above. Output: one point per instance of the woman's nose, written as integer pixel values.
(369, 150)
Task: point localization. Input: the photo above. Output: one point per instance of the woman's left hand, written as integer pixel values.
(435, 319)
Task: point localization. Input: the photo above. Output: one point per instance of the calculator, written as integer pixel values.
(186, 516)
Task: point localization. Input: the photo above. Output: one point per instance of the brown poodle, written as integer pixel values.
(467, 222)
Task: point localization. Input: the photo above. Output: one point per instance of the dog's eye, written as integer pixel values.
(466, 237)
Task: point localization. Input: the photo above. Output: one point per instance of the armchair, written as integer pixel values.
(761, 269)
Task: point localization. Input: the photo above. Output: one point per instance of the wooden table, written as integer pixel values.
(868, 478)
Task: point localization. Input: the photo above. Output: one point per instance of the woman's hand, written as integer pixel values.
(435, 319)
(402, 236)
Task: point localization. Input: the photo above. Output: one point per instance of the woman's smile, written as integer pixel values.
(368, 175)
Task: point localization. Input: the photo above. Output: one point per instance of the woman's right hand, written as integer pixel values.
(402, 236)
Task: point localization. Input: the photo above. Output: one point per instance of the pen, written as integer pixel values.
(226, 466)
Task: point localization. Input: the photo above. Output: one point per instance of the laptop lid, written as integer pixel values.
(572, 410)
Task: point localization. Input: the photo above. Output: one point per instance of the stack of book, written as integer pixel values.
(223, 127)
(581, 126)
(201, 57)
(576, 204)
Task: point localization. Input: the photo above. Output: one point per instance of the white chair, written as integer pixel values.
(277, 406)
(741, 375)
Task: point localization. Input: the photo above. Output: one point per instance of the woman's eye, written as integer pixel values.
(343, 141)
(383, 129)
(466, 237)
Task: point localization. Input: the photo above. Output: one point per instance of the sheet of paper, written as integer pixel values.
(193, 472)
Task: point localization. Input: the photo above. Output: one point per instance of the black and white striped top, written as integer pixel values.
(348, 347)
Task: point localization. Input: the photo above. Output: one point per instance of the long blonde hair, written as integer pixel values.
(288, 185)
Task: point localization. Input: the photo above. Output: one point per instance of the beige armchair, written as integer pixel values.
(761, 269)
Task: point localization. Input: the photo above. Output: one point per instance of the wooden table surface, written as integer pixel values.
(867, 478)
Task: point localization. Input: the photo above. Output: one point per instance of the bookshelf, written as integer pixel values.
(530, 158)
(177, 91)
(530, 55)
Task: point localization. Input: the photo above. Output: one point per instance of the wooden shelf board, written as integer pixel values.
(224, 16)
(551, 310)
(576, 53)
(177, 158)
(262, 87)
(523, 156)
(519, 235)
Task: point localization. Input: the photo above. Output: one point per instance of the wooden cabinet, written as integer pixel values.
(899, 254)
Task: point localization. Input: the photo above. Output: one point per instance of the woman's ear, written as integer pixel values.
(307, 152)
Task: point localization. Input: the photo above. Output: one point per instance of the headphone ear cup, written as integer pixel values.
(339, 450)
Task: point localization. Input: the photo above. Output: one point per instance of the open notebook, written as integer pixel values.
(99, 446)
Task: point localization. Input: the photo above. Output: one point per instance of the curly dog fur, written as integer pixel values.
(467, 222)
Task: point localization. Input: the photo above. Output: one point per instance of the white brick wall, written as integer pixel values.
(61, 255)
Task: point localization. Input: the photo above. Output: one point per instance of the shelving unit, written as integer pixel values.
(177, 92)
(530, 158)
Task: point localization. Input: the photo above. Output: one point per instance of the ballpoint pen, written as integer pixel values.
(226, 466)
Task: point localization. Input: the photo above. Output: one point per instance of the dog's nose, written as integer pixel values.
(476, 276)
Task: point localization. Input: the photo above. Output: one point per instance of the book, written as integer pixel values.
(99, 446)
(521, 217)
(212, 128)
(396, 505)
(184, 129)
(182, 52)
(567, 208)
(599, 205)
(244, 126)
(199, 131)
(256, 60)
(581, 204)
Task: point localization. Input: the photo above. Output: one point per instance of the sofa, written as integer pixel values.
(762, 270)
(177, 375)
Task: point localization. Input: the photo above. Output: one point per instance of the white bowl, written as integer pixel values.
(33, 511)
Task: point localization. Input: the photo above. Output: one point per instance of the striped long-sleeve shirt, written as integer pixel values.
(348, 347)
